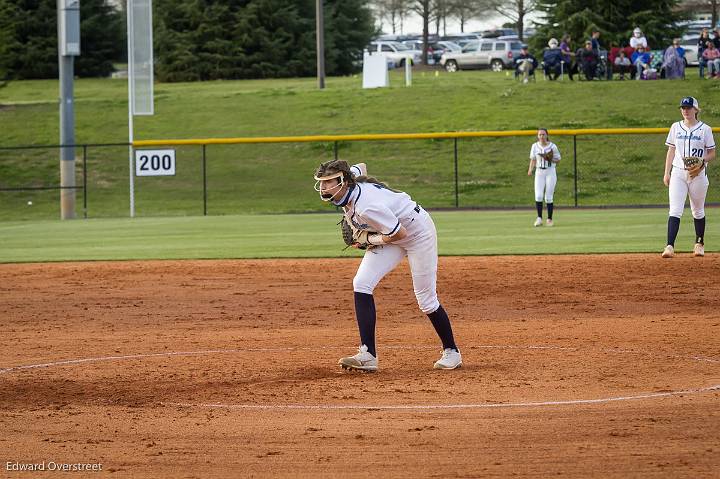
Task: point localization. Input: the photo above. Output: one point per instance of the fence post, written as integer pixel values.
(204, 171)
(457, 201)
(85, 181)
(575, 168)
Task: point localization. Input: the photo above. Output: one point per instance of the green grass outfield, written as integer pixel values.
(617, 170)
(316, 235)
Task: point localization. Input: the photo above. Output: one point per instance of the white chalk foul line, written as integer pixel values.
(383, 407)
(66, 362)
(425, 407)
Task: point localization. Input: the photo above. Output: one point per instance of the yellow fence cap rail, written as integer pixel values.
(398, 136)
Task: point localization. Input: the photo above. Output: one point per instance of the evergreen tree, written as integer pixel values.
(615, 19)
(103, 39)
(214, 39)
(28, 38)
(348, 28)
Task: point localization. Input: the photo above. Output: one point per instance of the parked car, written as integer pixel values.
(435, 49)
(691, 50)
(398, 52)
(499, 32)
(496, 54)
(461, 39)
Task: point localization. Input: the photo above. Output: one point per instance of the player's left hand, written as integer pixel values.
(666, 179)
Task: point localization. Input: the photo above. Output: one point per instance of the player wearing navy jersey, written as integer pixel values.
(396, 226)
(687, 138)
(544, 156)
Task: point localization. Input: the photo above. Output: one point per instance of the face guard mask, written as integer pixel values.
(329, 194)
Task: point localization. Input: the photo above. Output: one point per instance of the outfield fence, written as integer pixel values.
(600, 168)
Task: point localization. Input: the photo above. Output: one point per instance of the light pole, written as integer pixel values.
(320, 35)
(68, 48)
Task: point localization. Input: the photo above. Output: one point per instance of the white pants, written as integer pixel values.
(420, 246)
(681, 186)
(545, 181)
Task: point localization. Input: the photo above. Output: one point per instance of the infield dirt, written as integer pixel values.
(229, 369)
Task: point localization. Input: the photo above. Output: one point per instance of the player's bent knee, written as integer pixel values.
(428, 303)
(361, 286)
(699, 214)
(429, 307)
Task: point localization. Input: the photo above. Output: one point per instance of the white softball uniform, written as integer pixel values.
(375, 208)
(545, 173)
(693, 141)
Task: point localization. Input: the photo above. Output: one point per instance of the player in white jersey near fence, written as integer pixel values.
(394, 226)
(687, 138)
(544, 156)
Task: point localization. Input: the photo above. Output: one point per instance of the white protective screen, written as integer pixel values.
(141, 56)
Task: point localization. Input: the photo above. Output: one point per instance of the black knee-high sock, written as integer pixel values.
(673, 228)
(538, 206)
(550, 210)
(700, 230)
(441, 323)
(365, 315)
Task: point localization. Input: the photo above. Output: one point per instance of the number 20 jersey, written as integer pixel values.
(691, 141)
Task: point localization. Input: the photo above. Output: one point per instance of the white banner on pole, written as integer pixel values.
(140, 56)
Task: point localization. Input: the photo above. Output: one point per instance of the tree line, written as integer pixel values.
(614, 19)
(29, 46)
(436, 14)
(193, 39)
(233, 39)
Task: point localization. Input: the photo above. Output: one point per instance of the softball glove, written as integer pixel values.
(694, 165)
(354, 237)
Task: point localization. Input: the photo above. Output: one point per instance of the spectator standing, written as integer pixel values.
(702, 45)
(641, 60)
(525, 64)
(595, 40)
(638, 39)
(568, 55)
(589, 61)
(622, 64)
(702, 41)
(673, 62)
(716, 38)
(711, 55)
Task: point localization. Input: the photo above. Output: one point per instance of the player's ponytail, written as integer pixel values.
(371, 179)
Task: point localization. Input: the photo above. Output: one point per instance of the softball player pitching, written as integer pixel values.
(687, 139)
(394, 226)
(544, 156)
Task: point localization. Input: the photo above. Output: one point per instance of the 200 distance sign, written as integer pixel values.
(154, 162)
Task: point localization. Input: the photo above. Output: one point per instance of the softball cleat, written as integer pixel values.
(668, 252)
(362, 361)
(538, 222)
(699, 249)
(549, 222)
(451, 359)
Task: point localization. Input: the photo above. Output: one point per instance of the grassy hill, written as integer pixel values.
(277, 178)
